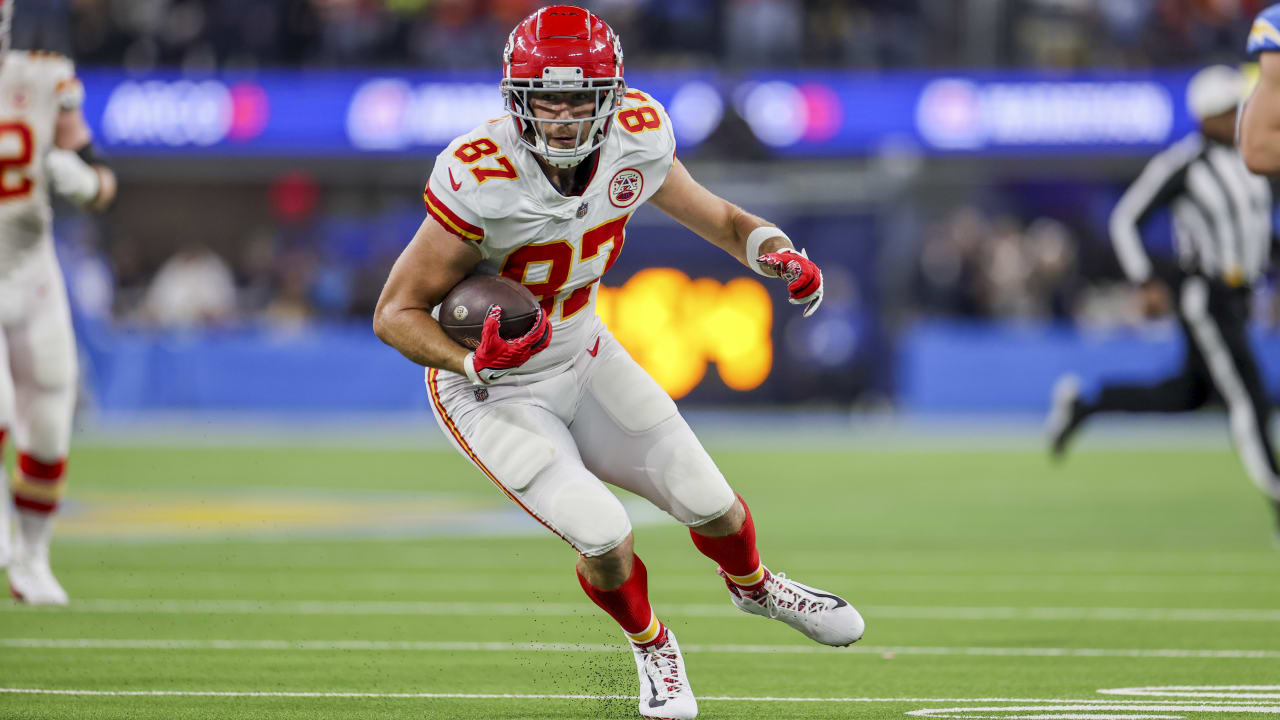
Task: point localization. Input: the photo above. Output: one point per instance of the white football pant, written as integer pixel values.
(551, 444)
(37, 358)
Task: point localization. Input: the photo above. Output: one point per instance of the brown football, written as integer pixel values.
(463, 309)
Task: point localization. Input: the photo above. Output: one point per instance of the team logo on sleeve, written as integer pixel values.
(625, 187)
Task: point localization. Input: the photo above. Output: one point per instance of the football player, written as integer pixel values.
(1260, 119)
(45, 146)
(542, 195)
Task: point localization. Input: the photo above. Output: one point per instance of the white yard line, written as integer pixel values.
(1089, 711)
(1100, 703)
(444, 646)
(552, 609)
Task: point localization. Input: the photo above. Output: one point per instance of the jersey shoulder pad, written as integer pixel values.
(53, 73)
(1264, 36)
(455, 195)
(645, 126)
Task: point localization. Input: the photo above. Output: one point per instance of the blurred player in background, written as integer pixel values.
(1260, 119)
(45, 146)
(1223, 239)
(542, 195)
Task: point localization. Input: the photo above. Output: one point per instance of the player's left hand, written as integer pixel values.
(803, 278)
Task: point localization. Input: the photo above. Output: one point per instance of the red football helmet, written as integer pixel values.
(563, 48)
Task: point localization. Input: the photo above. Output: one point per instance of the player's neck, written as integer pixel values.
(572, 180)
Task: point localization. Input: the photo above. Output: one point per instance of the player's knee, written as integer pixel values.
(47, 425)
(592, 516)
(696, 484)
(55, 372)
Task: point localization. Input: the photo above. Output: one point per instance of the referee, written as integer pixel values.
(1222, 237)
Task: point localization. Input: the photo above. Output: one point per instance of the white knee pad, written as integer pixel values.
(696, 487)
(549, 481)
(590, 516)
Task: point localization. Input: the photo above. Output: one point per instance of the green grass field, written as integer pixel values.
(325, 582)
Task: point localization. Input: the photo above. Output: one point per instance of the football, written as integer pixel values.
(464, 308)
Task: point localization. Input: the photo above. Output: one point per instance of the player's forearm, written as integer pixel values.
(1260, 131)
(418, 337)
(740, 227)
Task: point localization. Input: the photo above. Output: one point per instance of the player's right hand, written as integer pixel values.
(497, 356)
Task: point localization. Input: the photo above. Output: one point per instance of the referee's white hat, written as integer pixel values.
(1214, 90)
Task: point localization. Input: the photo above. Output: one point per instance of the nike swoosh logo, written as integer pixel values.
(839, 600)
(654, 701)
(592, 351)
(456, 185)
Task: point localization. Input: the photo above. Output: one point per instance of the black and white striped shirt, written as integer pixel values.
(1221, 213)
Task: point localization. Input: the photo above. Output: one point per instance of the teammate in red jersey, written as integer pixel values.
(542, 195)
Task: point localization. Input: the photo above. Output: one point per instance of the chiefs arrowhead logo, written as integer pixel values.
(456, 185)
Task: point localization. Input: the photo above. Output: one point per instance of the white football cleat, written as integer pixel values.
(664, 686)
(821, 616)
(31, 580)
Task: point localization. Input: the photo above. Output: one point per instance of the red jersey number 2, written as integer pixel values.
(14, 180)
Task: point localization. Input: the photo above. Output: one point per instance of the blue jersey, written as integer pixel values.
(1265, 34)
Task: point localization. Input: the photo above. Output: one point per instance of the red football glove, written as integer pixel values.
(497, 356)
(803, 278)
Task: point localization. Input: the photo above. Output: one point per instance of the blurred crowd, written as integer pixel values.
(209, 34)
(309, 258)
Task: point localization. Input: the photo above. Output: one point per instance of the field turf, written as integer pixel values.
(333, 582)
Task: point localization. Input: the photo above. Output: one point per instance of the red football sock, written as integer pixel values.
(629, 605)
(38, 485)
(736, 554)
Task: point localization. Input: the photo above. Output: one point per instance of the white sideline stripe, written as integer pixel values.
(480, 609)
(1099, 703)
(1241, 692)
(1080, 711)
(420, 645)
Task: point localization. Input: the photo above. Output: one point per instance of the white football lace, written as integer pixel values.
(661, 662)
(779, 596)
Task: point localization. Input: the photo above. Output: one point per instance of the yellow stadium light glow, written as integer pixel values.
(674, 325)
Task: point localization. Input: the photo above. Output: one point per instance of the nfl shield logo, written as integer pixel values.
(482, 394)
(582, 210)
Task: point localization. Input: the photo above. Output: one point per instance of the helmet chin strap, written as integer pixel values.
(560, 161)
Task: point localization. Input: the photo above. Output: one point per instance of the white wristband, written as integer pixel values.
(755, 240)
(71, 177)
(468, 366)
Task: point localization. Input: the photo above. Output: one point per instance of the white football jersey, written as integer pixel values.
(34, 87)
(489, 190)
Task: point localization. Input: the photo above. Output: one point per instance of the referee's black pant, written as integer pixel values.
(1219, 361)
